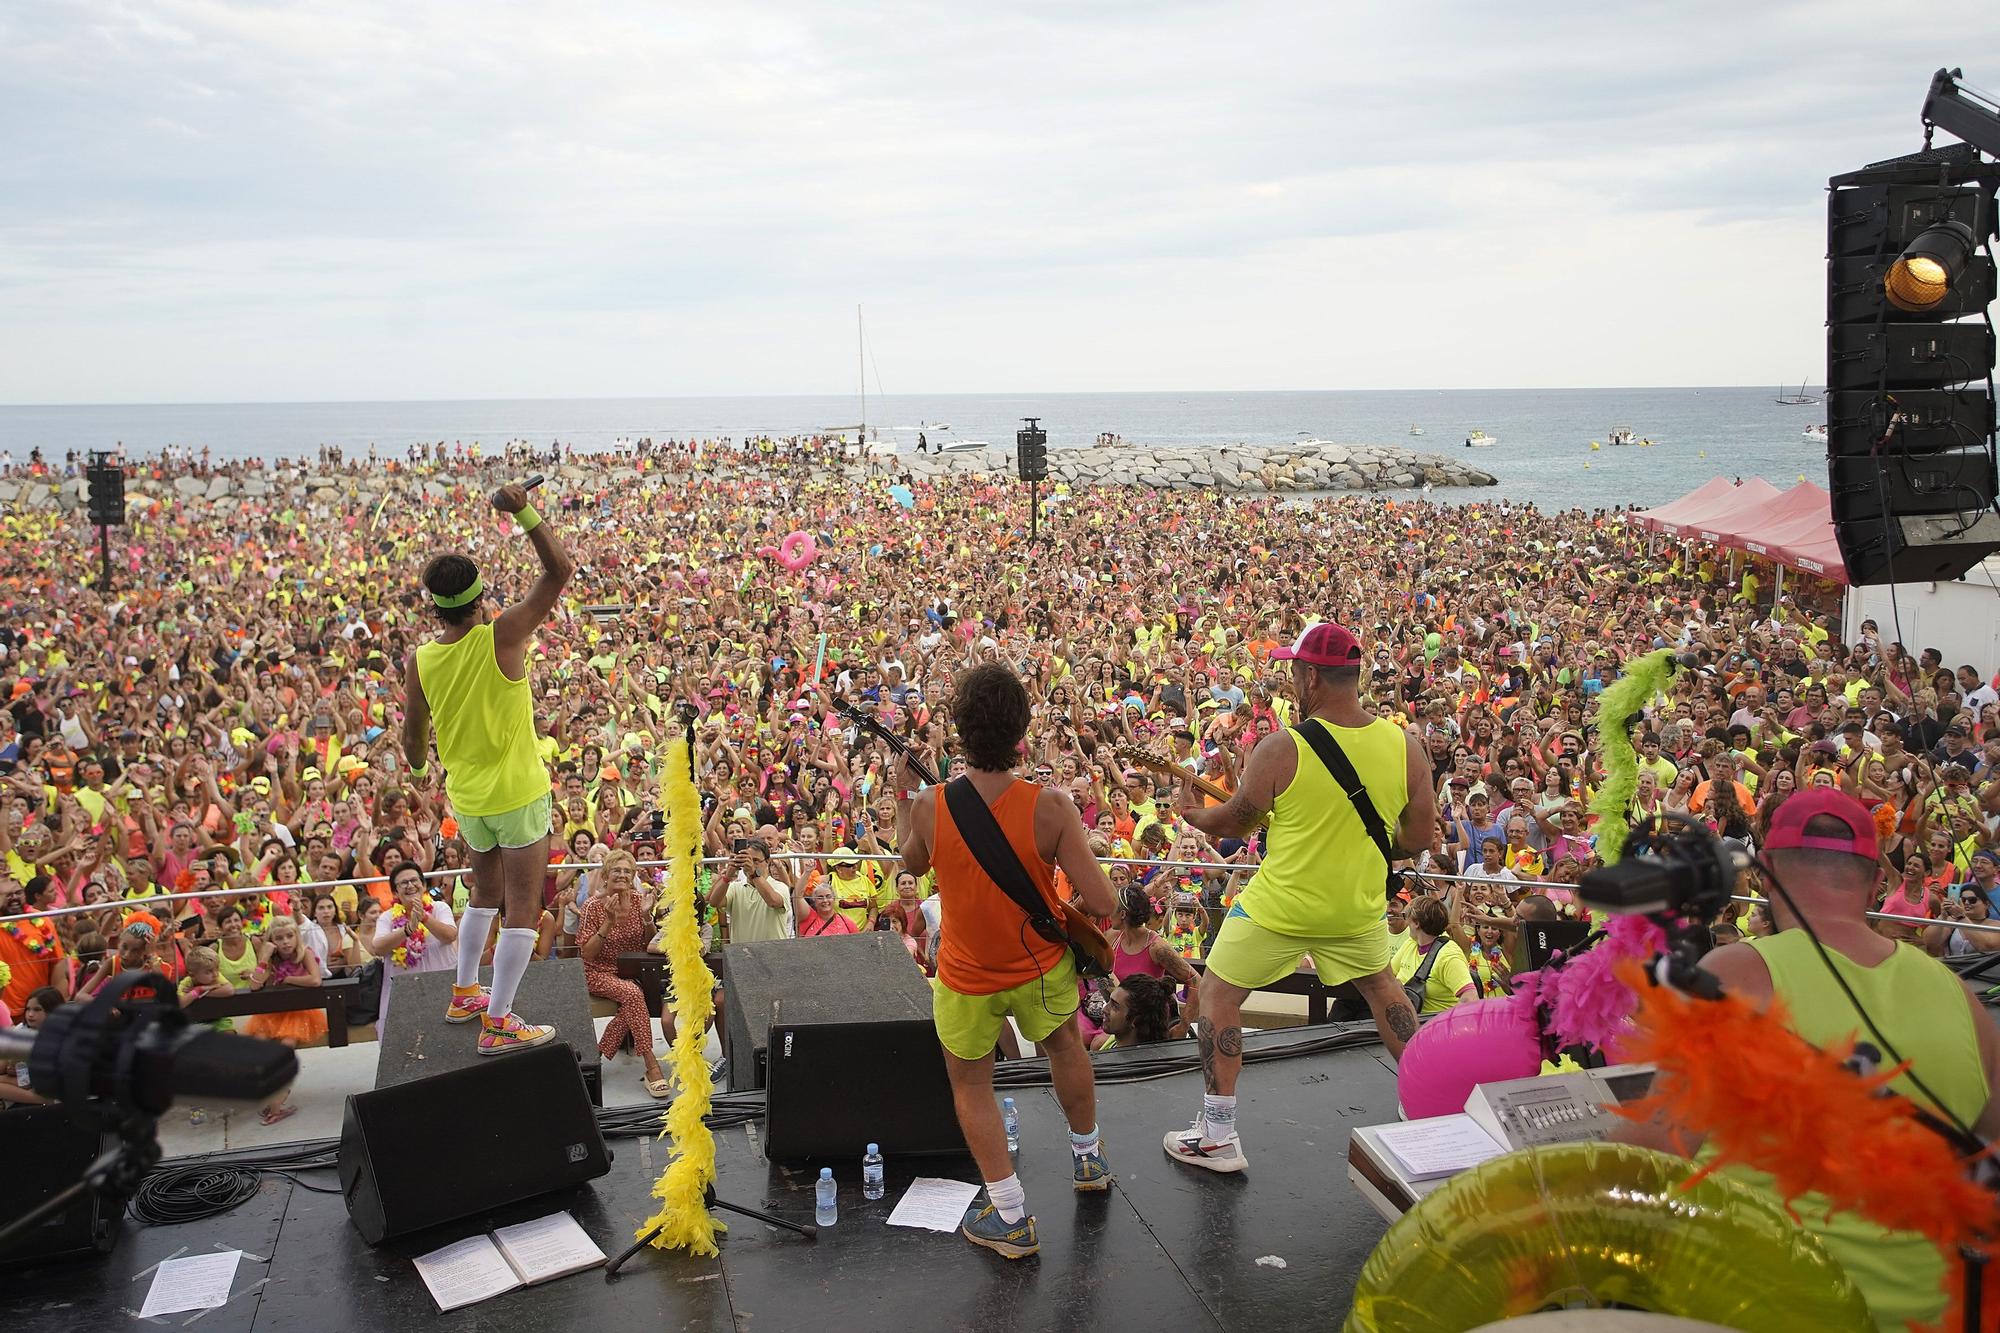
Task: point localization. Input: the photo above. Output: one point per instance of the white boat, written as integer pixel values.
(1479, 439)
(1817, 434)
(1416, 429)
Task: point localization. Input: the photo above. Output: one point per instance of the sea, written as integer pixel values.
(1542, 452)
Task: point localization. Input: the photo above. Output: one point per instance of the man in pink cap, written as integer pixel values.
(1321, 888)
(1822, 851)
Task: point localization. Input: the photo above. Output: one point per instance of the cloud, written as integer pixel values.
(203, 200)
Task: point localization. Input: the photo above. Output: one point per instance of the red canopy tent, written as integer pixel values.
(1669, 515)
(1793, 527)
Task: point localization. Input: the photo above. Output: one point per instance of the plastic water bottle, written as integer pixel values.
(825, 1211)
(871, 1173)
(1012, 1119)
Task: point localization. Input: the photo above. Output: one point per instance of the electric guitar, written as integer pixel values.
(887, 737)
(1159, 763)
(1093, 949)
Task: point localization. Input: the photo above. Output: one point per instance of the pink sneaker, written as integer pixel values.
(467, 1003)
(500, 1035)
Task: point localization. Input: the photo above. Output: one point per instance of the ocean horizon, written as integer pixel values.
(1542, 452)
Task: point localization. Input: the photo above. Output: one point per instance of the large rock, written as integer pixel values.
(218, 486)
(190, 486)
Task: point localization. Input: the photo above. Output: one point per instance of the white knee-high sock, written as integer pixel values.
(473, 928)
(510, 961)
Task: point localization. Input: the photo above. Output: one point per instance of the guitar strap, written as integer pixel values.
(983, 837)
(1342, 768)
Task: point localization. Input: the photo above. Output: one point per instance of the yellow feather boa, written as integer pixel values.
(683, 1219)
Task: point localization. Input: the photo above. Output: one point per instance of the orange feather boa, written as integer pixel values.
(1799, 1114)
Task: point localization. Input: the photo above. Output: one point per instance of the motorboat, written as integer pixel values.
(1415, 429)
(1817, 434)
(1479, 439)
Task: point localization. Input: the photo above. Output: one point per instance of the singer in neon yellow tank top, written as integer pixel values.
(485, 726)
(471, 683)
(1319, 891)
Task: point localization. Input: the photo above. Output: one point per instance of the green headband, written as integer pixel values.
(460, 599)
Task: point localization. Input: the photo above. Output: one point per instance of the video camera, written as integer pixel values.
(1672, 865)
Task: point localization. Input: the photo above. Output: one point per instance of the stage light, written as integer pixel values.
(1923, 275)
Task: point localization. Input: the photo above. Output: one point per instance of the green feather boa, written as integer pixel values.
(1616, 708)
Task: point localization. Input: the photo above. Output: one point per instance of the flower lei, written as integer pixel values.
(6, 976)
(411, 951)
(41, 944)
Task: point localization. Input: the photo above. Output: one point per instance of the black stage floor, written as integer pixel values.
(1169, 1247)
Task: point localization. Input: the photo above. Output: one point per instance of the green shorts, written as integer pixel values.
(1248, 956)
(523, 827)
(969, 1025)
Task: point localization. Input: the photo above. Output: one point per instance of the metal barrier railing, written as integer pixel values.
(312, 887)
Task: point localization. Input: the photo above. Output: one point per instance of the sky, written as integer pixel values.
(204, 201)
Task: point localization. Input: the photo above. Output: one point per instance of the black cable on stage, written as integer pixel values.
(173, 1194)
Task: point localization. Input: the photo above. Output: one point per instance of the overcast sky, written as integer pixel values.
(208, 201)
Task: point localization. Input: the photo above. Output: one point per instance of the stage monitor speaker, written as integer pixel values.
(47, 1150)
(506, 1129)
(835, 1088)
(866, 978)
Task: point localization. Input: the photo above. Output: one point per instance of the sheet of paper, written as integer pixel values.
(548, 1247)
(470, 1271)
(933, 1204)
(198, 1283)
(1440, 1146)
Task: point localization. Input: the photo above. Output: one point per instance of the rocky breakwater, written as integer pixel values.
(1309, 465)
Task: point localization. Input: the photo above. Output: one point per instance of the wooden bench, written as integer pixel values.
(330, 995)
(1317, 993)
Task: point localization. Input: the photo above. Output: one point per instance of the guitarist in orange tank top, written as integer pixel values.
(991, 964)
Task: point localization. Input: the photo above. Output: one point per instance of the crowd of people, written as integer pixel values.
(227, 718)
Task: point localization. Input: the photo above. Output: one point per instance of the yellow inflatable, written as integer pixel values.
(1599, 1226)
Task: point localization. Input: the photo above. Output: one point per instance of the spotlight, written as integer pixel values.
(1922, 277)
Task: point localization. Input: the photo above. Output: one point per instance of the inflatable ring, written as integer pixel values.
(1600, 1225)
(797, 550)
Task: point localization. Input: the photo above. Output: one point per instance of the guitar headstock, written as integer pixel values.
(1158, 763)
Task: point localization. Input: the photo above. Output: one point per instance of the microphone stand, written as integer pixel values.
(709, 1199)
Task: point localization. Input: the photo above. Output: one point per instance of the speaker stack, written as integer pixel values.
(1910, 419)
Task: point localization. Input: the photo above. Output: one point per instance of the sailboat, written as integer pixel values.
(1800, 399)
(932, 437)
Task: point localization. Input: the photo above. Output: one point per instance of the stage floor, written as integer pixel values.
(1168, 1247)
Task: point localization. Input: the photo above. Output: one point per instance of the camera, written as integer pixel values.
(1672, 864)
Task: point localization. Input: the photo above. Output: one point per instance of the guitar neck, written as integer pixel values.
(1159, 765)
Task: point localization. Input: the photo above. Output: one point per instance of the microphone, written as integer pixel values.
(534, 480)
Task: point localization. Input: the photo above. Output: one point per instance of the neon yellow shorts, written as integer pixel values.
(522, 827)
(1249, 956)
(969, 1025)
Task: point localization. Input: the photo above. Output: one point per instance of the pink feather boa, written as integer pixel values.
(1587, 1001)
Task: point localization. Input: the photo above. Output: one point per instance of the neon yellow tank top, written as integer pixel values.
(1324, 875)
(485, 726)
(1920, 1006)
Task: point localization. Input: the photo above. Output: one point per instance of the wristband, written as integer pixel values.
(527, 518)
(908, 795)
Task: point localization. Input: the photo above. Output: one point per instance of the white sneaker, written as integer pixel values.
(1195, 1147)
